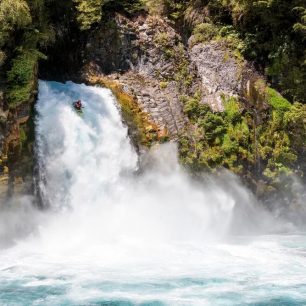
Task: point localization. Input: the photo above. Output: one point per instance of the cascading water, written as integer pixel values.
(116, 236)
(81, 157)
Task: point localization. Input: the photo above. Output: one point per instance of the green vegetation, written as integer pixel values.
(21, 77)
(273, 34)
(162, 39)
(89, 12)
(277, 102)
(219, 139)
(24, 30)
(13, 14)
(23, 136)
(204, 32)
(174, 9)
(163, 85)
(267, 144)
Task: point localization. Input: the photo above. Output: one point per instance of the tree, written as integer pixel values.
(89, 12)
(13, 14)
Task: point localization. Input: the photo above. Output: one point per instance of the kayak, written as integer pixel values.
(78, 110)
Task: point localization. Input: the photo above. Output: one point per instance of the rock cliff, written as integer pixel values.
(148, 57)
(16, 147)
(142, 54)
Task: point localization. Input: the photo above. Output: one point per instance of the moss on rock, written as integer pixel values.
(256, 143)
(142, 130)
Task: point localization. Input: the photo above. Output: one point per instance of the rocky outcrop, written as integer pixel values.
(16, 151)
(159, 101)
(149, 55)
(222, 72)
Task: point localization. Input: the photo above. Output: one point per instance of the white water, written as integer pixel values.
(113, 236)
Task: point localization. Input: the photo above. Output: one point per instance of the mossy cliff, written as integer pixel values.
(222, 78)
(142, 131)
(263, 141)
(22, 32)
(17, 153)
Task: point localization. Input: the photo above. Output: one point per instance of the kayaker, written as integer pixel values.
(78, 105)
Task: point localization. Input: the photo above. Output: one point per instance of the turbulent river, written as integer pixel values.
(119, 231)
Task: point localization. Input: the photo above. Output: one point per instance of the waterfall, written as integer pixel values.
(87, 166)
(82, 157)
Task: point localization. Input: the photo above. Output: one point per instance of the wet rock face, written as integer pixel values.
(143, 50)
(122, 44)
(162, 104)
(15, 153)
(110, 47)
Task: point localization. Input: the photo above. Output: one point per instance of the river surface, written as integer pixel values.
(114, 235)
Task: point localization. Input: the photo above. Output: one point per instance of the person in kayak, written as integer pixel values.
(78, 105)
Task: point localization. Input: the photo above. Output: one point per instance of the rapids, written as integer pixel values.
(114, 235)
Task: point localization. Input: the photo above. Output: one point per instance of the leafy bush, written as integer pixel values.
(156, 7)
(161, 39)
(89, 12)
(18, 94)
(22, 69)
(14, 13)
(232, 109)
(21, 77)
(204, 32)
(236, 140)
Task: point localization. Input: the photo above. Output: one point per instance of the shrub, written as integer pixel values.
(231, 139)
(21, 77)
(14, 13)
(18, 94)
(161, 39)
(231, 107)
(22, 69)
(156, 7)
(205, 32)
(89, 12)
